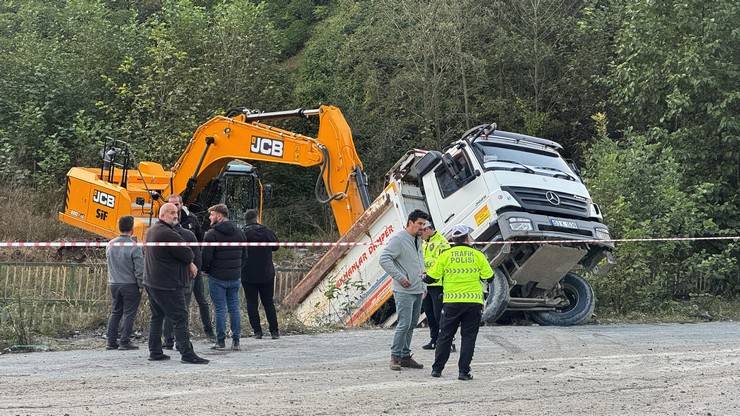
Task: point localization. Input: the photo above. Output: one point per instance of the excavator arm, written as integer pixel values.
(244, 137)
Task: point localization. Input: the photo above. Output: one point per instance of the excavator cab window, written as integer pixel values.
(241, 193)
(238, 186)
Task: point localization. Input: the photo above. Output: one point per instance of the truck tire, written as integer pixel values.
(582, 303)
(498, 298)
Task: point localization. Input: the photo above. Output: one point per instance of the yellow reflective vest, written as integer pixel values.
(432, 249)
(461, 270)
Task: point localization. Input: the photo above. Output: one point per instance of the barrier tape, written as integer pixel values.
(61, 244)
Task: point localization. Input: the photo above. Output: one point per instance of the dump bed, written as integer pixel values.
(347, 285)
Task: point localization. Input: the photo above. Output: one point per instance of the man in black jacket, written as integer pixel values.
(258, 276)
(190, 222)
(167, 271)
(224, 266)
(188, 236)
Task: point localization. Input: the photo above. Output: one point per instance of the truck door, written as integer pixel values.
(455, 189)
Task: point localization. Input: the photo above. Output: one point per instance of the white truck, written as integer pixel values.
(515, 191)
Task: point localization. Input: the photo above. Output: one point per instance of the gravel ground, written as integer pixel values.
(691, 369)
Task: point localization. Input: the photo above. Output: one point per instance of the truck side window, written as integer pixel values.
(449, 184)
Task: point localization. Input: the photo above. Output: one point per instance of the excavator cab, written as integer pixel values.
(238, 186)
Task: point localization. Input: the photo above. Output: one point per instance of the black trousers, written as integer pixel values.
(261, 292)
(205, 314)
(125, 303)
(169, 304)
(168, 329)
(432, 305)
(467, 316)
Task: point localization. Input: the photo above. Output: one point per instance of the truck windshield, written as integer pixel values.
(516, 156)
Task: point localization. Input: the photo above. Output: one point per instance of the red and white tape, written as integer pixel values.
(60, 244)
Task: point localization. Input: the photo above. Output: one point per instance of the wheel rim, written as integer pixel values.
(571, 293)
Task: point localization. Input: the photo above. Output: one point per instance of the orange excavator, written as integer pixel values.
(212, 167)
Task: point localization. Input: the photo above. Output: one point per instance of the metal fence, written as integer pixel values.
(50, 295)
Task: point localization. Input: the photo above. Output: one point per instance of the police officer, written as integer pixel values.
(461, 269)
(434, 245)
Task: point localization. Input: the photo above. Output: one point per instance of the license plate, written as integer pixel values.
(564, 224)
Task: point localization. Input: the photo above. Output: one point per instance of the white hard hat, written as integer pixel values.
(459, 230)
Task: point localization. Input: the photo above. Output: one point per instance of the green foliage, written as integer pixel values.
(408, 73)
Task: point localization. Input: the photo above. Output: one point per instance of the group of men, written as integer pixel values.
(172, 274)
(447, 278)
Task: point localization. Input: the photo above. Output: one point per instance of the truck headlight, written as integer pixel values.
(602, 234)
(520, 224)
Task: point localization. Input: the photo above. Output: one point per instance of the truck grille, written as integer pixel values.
(533, 199)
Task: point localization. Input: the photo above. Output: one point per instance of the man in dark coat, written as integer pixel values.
(258, 276)
(168, 330)
(224, 266)
(167, 272)
(190, 222)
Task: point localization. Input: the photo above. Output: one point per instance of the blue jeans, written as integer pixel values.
(408, 308)
(225, 295)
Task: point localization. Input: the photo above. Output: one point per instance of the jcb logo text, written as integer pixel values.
(104, 199)
(265, 146)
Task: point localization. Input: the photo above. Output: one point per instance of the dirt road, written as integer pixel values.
(620, 369)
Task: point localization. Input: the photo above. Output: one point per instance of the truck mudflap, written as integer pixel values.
(348, 285)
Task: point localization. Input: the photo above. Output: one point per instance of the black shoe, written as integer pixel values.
(275, 335)
(128, 346)
(111, 347)
(219, 345)
(429, 346)
(257, 335)
(436, 374)
(465, 376)
(158, 357)
(235, 345)
(193, 359)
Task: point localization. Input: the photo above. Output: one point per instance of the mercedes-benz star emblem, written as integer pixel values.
(552, 198)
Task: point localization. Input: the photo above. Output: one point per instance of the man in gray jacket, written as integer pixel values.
(125, 274)
(403, 259)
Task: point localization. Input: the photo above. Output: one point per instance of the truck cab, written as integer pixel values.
(515, 188)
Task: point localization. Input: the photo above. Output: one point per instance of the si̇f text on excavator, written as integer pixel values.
(205, 173)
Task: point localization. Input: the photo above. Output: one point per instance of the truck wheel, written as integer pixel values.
(581, 307)
(498, 298)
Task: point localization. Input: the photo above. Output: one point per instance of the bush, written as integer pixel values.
(641, 189)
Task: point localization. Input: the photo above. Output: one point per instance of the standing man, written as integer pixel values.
(168, 330)
(258, 276)
(168, 271)
(434, 245)
(190, 222)
(125, 275)
(224, 268)
(403, 260)
(461, 269)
